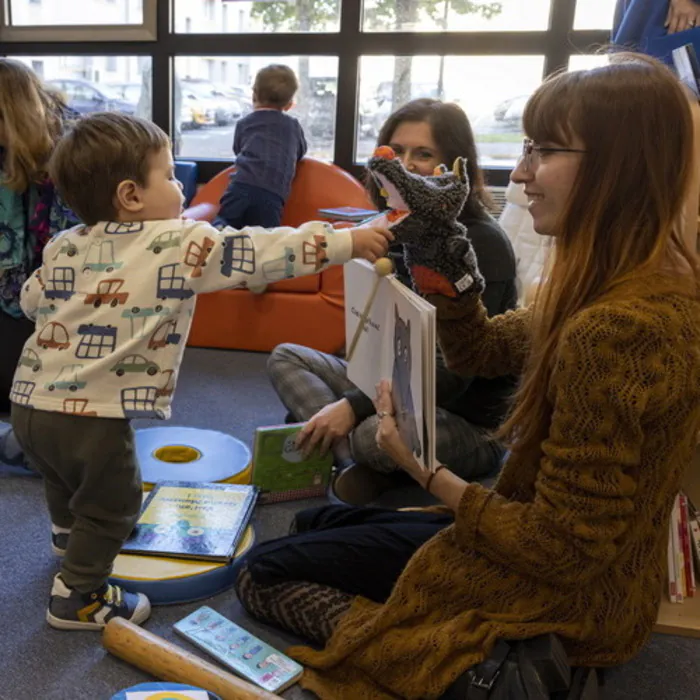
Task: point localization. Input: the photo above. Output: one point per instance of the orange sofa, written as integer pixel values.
(307, 310)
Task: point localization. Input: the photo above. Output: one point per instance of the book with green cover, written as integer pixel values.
(192, 520)
(279, 469)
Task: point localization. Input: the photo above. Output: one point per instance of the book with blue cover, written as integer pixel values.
(239, 650)
(354, 214)
(192, 520)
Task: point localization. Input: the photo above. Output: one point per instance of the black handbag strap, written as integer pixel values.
(485, 674)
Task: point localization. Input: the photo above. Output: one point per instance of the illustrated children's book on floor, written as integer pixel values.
(192, 520)
(280, 470)
(239, 650)
(397, 343)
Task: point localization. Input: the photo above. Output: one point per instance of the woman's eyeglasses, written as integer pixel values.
(530, 148)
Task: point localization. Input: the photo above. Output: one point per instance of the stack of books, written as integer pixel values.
(683, 550)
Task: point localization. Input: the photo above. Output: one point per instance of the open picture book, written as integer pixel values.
(397, 343)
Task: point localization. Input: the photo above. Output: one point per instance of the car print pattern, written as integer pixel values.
(114, 302)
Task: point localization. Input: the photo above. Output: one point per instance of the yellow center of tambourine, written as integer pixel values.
(177, 453)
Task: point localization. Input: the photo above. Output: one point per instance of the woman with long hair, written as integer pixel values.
(31, 122)
(572, 539)
(314, 386)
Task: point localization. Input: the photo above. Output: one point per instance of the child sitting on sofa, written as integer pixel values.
(103, 295)
(268, 144)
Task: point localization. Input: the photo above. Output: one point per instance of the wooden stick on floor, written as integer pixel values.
(382, 268)
(168, 662)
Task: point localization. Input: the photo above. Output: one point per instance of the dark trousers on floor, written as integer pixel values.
(361, 551)
(92, 483)
(247, 205)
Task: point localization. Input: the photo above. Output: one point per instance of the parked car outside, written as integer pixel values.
(85, 97)
(226, 110)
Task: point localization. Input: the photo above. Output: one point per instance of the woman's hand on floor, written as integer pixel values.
(682, 15)
(332, 423)
(389, 439)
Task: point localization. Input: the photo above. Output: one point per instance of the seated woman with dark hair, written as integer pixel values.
(314, 386)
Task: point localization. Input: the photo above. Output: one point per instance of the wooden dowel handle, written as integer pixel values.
(168, 662)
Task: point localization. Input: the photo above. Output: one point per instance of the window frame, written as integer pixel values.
(55, 34)
(556, 43)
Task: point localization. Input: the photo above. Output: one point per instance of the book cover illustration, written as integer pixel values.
(280, 470)
(239, 650)
(193, 520)
(397, 344)
(401, 392)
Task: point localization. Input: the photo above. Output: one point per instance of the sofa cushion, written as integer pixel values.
(309, 284)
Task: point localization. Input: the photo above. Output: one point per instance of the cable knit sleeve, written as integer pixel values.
(474, 344)
(607, 381)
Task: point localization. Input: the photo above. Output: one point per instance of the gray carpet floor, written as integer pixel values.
(225, 391)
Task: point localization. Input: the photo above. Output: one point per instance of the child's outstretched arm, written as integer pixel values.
(214, 259)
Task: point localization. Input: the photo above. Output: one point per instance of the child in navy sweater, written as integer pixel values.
(268, 144)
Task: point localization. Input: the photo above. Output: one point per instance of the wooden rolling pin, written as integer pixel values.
(168, 662)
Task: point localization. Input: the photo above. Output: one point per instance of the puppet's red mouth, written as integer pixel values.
(389, 191)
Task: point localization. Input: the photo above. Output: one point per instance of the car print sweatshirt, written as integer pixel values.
(113, 305)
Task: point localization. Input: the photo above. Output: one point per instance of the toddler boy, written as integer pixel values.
(113, 303)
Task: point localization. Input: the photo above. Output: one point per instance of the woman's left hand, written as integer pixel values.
(682, 15)
(389, 439)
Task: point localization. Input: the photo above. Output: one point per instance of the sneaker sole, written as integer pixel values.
(58, 551)
(141, 614)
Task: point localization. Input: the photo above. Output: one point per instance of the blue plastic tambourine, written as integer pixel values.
(191, 454)
(164, 691)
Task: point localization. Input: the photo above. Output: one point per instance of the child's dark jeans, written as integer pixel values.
(92, 482)
(247, 205)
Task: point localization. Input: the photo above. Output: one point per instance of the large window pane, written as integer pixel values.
(455, 15)
(263, 16)
(98, 83)
(211, 94)
(492, 90)
(586, 62)
(57, 12)
(594, 14)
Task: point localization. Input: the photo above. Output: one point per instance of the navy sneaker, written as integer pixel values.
(72, 610)
(59, 540)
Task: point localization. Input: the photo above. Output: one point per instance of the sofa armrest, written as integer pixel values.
(202, 212)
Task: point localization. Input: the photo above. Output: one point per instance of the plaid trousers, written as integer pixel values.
(306, 380)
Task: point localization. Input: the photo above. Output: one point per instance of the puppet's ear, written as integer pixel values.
(440, 169)
(460, 168)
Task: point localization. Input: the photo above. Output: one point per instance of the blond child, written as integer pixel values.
(113, 304)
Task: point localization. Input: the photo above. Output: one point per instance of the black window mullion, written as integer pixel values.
(161, 72)
(348, 84)
(561, 23)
